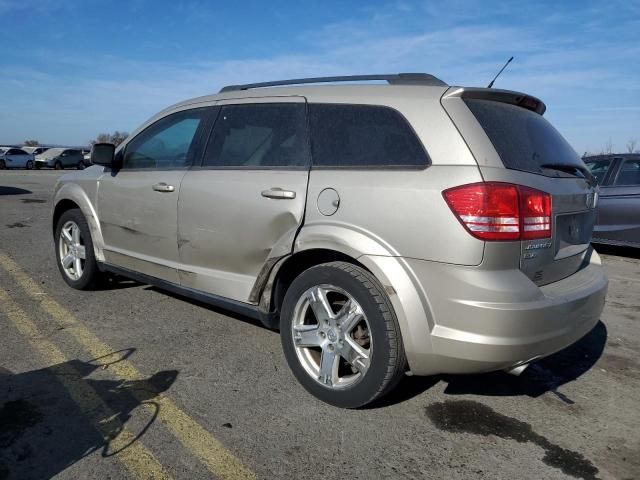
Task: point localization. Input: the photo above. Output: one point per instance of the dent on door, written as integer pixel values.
(230, 234)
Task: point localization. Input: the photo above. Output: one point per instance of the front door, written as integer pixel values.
(243, 206)
(137, 204)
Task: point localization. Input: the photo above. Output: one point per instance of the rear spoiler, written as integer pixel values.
(505, 96)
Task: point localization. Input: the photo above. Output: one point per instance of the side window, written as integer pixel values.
(14, 151)
(363, 136)
(259, 135)
(629, 173)
(599, 169)
(168, 143)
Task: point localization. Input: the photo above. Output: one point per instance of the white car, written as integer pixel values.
(35, 150)
(15, 158)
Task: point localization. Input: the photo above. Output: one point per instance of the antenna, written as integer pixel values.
(501, 70)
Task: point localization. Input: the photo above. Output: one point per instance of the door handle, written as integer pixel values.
(163, 187)
(279, 194)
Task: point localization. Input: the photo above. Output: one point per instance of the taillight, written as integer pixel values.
(501, 211)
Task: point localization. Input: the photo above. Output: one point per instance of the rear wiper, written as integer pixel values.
(573, 170)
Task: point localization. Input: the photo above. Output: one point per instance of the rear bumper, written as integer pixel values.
(492, 320)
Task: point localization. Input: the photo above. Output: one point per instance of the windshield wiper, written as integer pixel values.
(572, 170)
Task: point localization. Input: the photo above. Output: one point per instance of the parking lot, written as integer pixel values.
(133, 382)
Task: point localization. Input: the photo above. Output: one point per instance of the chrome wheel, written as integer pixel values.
(331, 336)
(72, 251)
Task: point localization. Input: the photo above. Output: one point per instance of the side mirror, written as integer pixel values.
(102, 154)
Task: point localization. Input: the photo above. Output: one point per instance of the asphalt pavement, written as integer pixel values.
(133, 382)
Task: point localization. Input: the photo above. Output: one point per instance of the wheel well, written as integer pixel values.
(298, 263)
(61, 207)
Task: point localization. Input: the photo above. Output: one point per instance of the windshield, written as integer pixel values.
(525, 140)
(52, 153)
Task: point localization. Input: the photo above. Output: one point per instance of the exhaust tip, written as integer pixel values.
(518, 369)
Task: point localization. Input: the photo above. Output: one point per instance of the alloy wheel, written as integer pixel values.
(331, 336)
(72, 250)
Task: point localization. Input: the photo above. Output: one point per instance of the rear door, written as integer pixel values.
(241, 209)
(137, 204)
(619, 206)
(521, 147)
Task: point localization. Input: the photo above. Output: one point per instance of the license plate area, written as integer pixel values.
(573, 233)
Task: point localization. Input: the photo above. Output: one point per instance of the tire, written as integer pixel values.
(58, 166)
(89, 274)
(3, 165)
(342, 282)
(29, 165)
(81, 165)
(38, 166)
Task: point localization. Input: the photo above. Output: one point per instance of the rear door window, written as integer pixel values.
(363, 136)
(523, 139)
(629, 173)
(265, 135)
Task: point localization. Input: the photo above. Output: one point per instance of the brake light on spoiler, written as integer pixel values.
(495, 211)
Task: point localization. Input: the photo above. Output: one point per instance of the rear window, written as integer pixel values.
(363, 136)
(524, 139)
(599, 169)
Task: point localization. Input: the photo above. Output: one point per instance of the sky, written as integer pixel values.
(70, 69)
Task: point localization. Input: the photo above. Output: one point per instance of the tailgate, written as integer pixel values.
(513, 143)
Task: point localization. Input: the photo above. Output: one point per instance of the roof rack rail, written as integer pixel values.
(392, 79)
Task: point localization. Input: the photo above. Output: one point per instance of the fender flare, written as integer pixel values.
(74, 193)
(407, 297)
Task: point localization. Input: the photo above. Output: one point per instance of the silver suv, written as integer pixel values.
(384, 229)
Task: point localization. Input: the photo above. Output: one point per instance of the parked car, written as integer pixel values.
(618, 220)
(35, 150)
(60, 158)
(11, 157)
(384, 229)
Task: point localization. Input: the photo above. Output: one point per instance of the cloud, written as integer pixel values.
(563, 55)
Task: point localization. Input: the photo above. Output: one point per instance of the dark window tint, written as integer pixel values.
(16, 151)
(599, 169)
(362, 136)
(168, 143)
(259, 135)
(524, 140)
(629, 173)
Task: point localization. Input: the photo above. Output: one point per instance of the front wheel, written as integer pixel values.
(30, 165)
(340, 335)
(74, 251)
(3, 165)
(58, 166)
(81, 165)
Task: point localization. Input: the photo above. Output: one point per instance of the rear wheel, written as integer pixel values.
(3, 165)
(38, 166)
(74, 251)
(58, 166)
(340, 335)
(30, 165)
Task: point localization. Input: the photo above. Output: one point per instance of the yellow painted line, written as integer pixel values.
(138, 460)
(211, 452)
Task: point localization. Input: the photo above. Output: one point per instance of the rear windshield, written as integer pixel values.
(524, 140)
